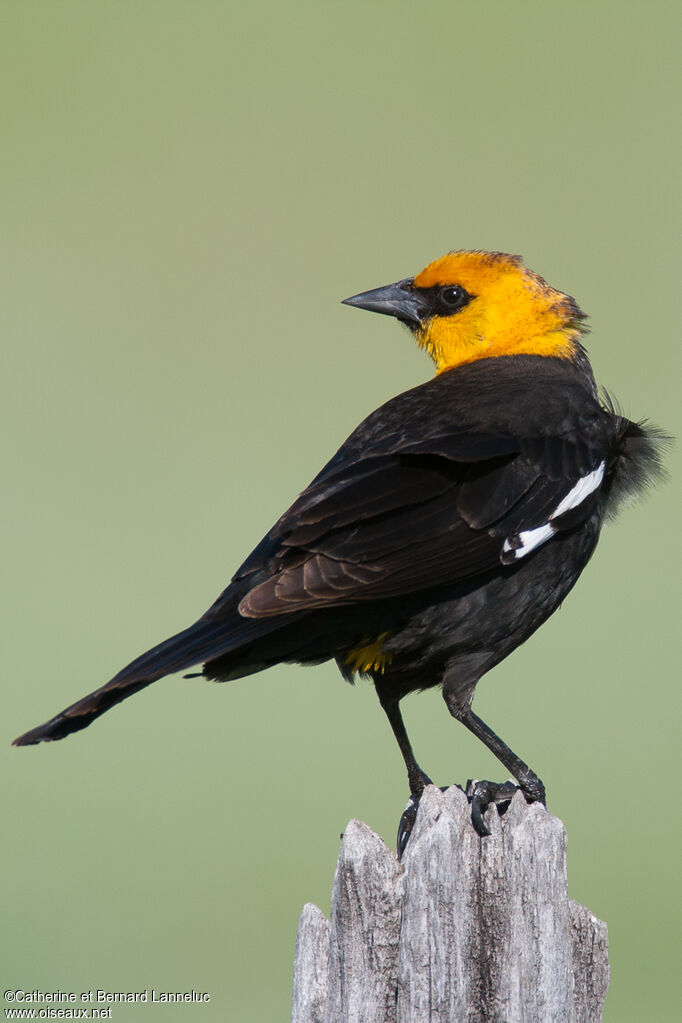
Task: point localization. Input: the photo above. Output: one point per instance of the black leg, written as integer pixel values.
(415, 776)
(530, 784)
(417, 779)
(482, 793)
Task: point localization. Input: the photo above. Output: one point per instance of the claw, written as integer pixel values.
(418, 782)
(481, 794)
(406, 824)
(478, 807)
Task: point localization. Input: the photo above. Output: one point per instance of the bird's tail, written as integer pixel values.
(205, 640)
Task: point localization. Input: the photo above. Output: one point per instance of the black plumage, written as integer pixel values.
(415, 546)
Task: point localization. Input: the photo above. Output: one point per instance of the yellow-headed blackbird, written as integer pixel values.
(449, 526)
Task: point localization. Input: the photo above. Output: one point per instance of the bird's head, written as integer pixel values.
(475, 305)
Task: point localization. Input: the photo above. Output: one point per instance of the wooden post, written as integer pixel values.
(465, 930)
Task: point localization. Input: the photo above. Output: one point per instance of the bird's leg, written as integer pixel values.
(482, 793)
(530, 784)
(417, 779)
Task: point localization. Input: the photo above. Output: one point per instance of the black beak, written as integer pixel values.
(399, 300)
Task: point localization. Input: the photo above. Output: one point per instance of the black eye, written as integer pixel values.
(453, 296)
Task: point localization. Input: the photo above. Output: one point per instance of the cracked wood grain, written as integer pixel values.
(465, 930)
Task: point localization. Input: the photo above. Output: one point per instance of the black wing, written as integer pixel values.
(426, 493)
(413, 523)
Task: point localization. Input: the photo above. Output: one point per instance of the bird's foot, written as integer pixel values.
(406, 824)
(409, 816)
(482, 793)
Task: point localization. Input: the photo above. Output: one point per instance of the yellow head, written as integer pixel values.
(475, 305)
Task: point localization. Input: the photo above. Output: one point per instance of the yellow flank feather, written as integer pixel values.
(513, 311)
(369, 657)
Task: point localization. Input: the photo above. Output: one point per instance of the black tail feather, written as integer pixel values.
(204, 640)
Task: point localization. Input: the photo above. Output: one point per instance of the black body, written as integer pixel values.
(411, 535)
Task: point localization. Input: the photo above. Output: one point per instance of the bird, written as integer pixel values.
(449, 526)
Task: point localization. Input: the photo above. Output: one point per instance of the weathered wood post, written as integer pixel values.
(465, 930)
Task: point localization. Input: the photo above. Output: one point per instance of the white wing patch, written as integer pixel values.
(525, 542)
(585, 486)
(515, 547)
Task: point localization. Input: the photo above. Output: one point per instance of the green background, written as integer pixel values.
(188, 190)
